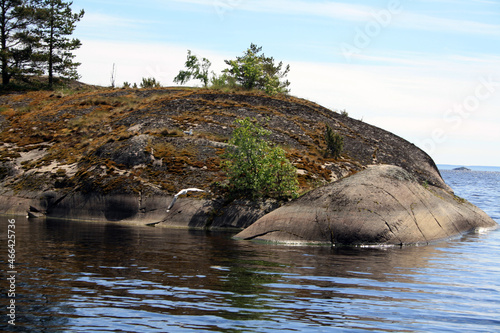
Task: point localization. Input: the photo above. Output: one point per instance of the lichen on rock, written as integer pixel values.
(120, 154)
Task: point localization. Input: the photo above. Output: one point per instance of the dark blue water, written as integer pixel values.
(103, 277)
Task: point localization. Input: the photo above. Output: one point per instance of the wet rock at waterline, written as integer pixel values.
(381, 205)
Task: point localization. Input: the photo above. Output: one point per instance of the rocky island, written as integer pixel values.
(462, 169)
(122, 154)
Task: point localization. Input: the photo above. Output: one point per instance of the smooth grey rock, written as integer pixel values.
(383, 205)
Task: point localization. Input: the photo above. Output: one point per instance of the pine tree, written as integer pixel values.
(334, 142)
(256, 71)
(55, 23)
(15, 38)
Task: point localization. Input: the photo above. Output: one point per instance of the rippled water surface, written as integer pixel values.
(96, 277)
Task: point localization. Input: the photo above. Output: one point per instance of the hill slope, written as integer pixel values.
(149, 143)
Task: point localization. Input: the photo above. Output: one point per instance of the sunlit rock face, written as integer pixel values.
(383, 205)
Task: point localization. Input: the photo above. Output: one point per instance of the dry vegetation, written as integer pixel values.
(165, 139)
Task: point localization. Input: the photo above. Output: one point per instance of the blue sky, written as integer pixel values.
(426, 70)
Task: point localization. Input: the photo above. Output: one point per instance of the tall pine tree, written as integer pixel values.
(55, 23)
(15, 38)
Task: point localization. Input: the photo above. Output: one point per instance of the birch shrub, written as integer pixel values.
(255, 167)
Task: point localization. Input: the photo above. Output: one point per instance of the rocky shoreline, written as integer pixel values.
(195, 213)
(383, 205)
(120, 155)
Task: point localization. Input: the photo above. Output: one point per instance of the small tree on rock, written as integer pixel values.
(334, 142)
(149, 82)
(256, 168)
(195, 69)
(256, 71)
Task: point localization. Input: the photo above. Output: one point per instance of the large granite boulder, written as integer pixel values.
(382, 205)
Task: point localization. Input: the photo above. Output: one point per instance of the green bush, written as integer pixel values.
(253, 70)
(256, 71)
(334, 142)
(256, 168)
(223, 82)
(150, 82)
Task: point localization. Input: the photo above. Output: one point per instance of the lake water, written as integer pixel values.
(103, 277)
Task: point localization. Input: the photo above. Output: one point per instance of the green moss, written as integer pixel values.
(31, 182)
(459, 199)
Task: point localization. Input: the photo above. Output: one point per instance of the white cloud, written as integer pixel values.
(99, 20)
(135, 61)
(410, 98)
(488, 2)
(431, 23)
(104, 24)
(338, 10)
(400, 16)
(414, 102)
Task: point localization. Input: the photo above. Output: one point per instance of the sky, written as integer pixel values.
(426, 70)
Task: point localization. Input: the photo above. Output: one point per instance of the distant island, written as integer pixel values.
(462, 169)
(471, 167)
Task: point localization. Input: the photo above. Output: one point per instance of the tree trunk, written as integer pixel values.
(51, 69)
(51, 47)
(5, 71)
(5, 60)
(51, 59)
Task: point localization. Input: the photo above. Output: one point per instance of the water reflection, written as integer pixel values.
(98, 277)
